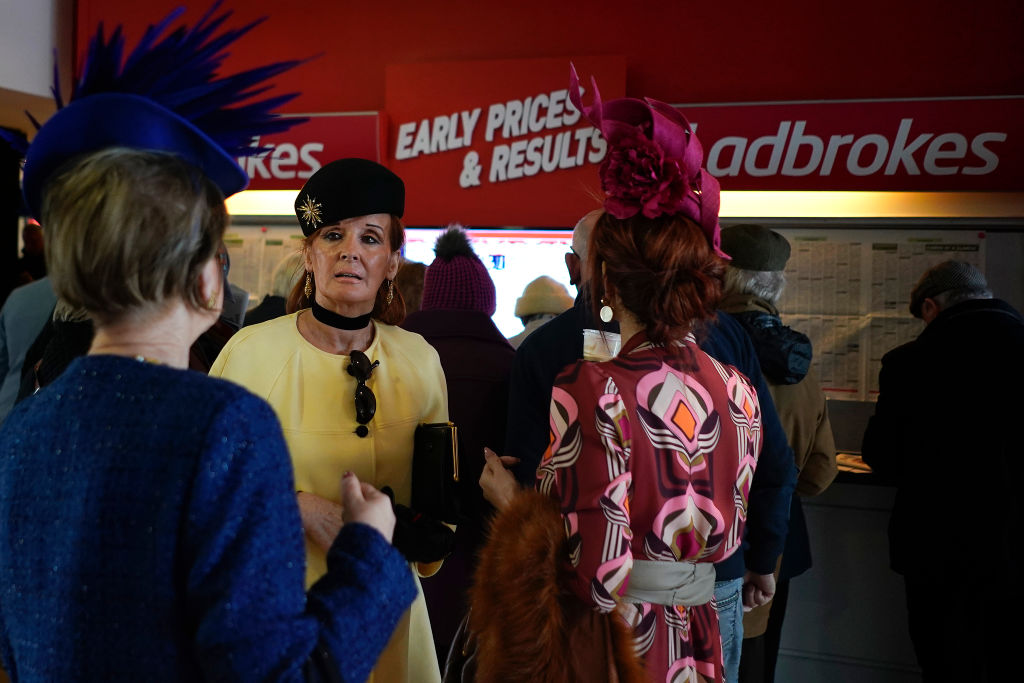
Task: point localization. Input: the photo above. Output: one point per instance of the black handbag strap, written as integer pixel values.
(460, 665)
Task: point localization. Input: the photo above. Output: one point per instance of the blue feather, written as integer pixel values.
(55, 88)
(32, 119)
(178, 69)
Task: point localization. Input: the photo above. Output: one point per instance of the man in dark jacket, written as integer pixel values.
(559, 342)
(946, 432)
(754, 280)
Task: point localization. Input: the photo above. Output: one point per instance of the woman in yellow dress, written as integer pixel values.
(348, 386)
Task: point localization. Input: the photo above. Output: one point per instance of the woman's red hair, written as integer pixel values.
(661, 269)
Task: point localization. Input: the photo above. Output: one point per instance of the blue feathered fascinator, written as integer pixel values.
(165, 96)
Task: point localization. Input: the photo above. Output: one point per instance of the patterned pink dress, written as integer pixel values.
(651, 456)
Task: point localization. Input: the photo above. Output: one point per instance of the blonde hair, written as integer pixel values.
(287, 272)
(65, 312)
(127, 230)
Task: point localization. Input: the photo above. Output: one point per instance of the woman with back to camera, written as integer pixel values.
(348, 386)
(150, 530)
(652, 451)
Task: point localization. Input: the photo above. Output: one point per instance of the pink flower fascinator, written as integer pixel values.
(653, 163)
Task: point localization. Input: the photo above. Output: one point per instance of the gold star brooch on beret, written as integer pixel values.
(310, 209)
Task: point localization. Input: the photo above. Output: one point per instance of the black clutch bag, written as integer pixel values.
(435, 471)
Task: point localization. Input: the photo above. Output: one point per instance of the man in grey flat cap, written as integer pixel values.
(946, 433)
(754, 281)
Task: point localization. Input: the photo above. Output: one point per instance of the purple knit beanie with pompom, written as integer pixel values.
(457, 279)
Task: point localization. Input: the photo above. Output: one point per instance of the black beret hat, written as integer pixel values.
(347, 188)
(754, 247)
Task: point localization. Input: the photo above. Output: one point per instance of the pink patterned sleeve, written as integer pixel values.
(586, 468)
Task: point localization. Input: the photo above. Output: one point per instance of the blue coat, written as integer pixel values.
(150, 532)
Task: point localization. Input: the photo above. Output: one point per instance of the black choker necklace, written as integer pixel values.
(339, 321)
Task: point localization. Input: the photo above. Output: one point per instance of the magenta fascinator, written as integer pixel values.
(653, 163)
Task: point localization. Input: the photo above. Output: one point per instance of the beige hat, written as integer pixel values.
(543, 295)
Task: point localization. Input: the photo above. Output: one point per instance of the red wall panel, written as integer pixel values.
(679, 51)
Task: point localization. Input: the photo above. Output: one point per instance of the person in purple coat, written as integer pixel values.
(455, 318)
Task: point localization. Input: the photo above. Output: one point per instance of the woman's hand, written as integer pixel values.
(496, 481)
(366, 505)
(321, 518)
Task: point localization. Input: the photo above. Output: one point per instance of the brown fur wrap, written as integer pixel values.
(528, 626)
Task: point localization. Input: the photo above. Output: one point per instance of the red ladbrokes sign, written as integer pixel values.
(958, 144)
(298, 153)
(498, 143)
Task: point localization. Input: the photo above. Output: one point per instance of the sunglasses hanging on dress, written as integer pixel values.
(361, 368)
